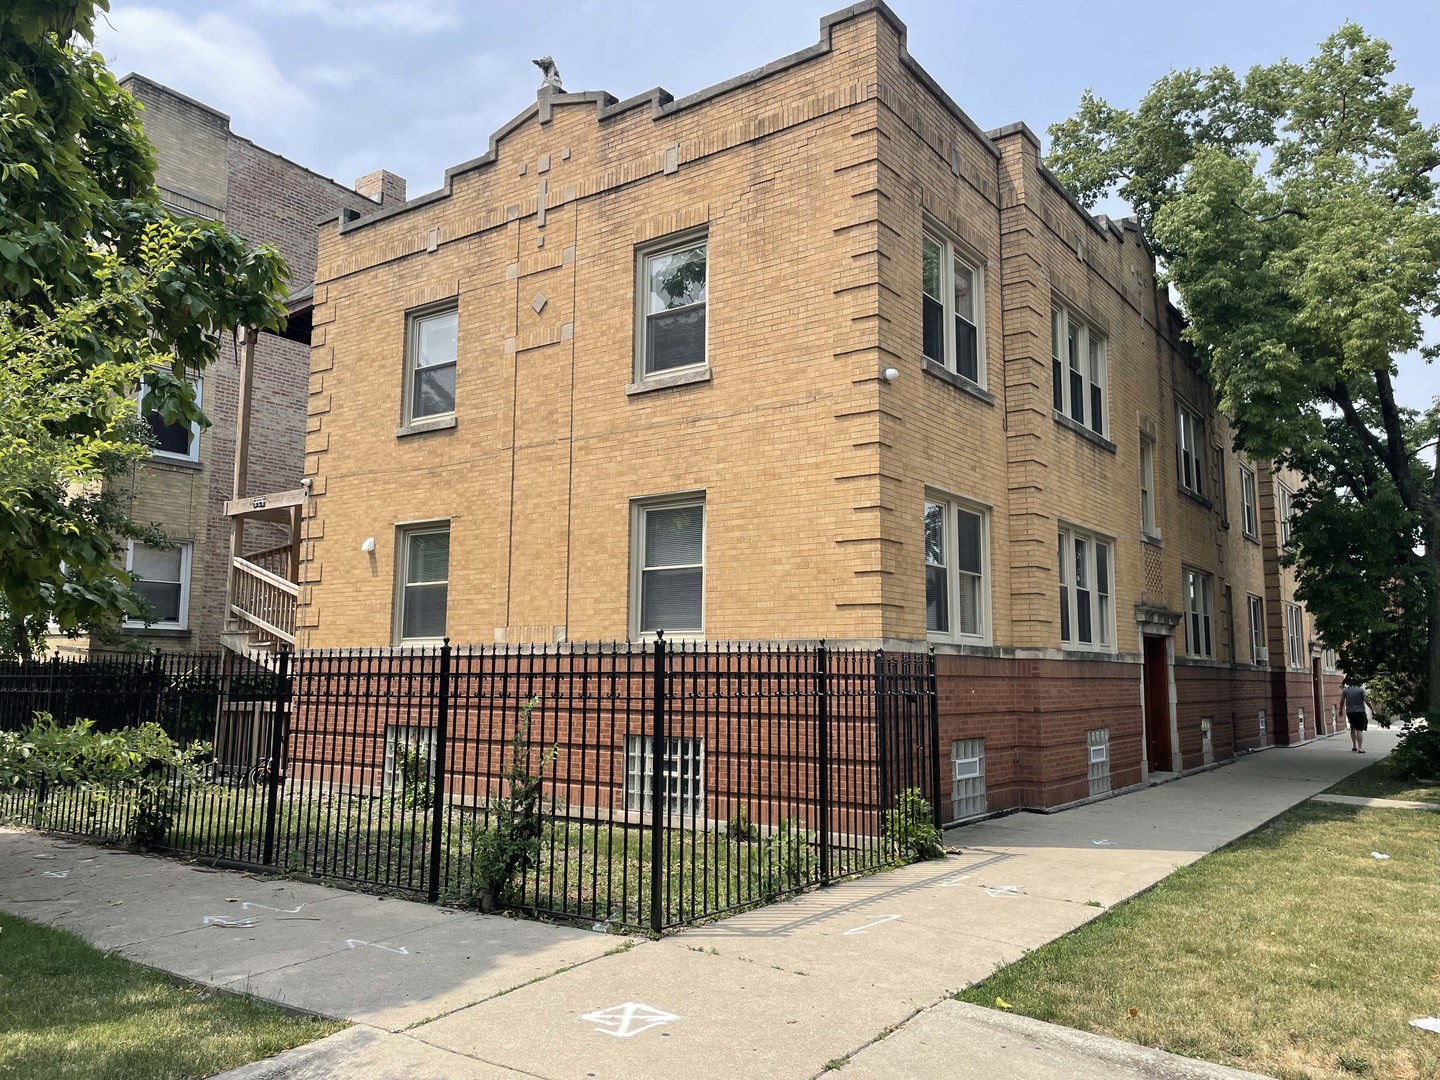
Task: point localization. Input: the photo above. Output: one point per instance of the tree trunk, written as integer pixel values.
(1432, 645)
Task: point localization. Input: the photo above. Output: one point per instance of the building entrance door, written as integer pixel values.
(1319, 692)
(1157, 704)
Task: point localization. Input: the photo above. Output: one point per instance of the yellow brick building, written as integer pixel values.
(806, 354)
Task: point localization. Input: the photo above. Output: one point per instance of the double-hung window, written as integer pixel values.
(162, 577)
(1199, 620)
(1189, 450)
(1248, 502)
(1078, 370)
(1086, 603)
(952, 299)
(174, 442)
(1285, 511)
(1295, 635)
(424, 583)
(672, 283)
(431, 351)
(668, 572)
(956, 594)
(1259, 652)
(1147, 488)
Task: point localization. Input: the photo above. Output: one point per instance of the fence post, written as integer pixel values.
(156, 675)
(437, 756)
(49, 690)
(659, 738)
(932, 689)
(278, 725)
(822, 697)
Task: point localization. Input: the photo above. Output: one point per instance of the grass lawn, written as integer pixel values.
(69, 1010)
(1292, 953)
(1379, 781)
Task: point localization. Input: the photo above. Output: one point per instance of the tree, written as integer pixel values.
(1294, 211)
(103, 294)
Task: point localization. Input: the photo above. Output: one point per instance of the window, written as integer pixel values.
(1295, 635)
(1285, 511)
(1085, 597)
(425, 583)
(1247, 503)
(967, 778)
(1077, 367)
(672, 292)
(1259, 653)
(952, 300)
(1189, 452)
(684, 790)
(176, 442)
(1147, 488)
(956, 600)
(668, 583)
(1097, 744)
(431, 349)
(409, 763)
(1199, 598)
(162, 577)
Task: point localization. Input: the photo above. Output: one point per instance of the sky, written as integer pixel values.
(415, 86)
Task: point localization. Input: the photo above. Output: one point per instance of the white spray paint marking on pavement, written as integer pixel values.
(1104, 843)
(875, 920)
(950, 883)
(56, 873)
(629, 1019)
(247, 905)
(355, 943)
(1002, 890)
(227, 923)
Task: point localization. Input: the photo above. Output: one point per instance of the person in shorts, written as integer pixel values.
(1354, 697)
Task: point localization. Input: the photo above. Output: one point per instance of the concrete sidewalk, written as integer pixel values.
(777, 992)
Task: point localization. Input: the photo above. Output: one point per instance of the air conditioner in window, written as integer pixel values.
(966, 768)
(1262, 656)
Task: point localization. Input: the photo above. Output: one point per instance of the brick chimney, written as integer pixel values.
(385, 188)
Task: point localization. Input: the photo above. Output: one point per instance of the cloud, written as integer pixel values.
(394, 16)
(211, 58)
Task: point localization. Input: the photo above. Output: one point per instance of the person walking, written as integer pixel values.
(1354, 697)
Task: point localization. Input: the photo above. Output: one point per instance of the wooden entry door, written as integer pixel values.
(1157, 704)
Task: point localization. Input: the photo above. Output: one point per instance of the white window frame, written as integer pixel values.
(1093, 360)
(403, 533)
(1102, 609)
(1285, 498)
(1190, 444)
(1204, 612)
(1259, 650)
(639, 508)
(1295, 636)
(413, 319)
(953, 506)
(187, 551)
(1148, 528)
(666, 245)
(951, 252)
(1249, 504)
(198, 382)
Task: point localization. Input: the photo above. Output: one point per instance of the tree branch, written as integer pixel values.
(1397, 465)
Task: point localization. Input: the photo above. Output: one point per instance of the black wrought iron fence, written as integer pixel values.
(639, 785)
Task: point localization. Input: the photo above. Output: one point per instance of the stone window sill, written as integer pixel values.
(667, 379)
(429, 423)
(175, 463)
(1083, 431)
(945, 375)
(154, 631)
(1195, 498)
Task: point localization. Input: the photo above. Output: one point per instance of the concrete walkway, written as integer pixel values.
(778, 992)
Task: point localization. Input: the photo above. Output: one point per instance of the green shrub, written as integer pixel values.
(417, 781)
(142, 762)
(1417, 756)
(784, 860)
(740, 827)
(910, 828)
(507, 844)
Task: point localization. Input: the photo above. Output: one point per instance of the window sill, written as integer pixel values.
(945, 375)
(1086, 650)
(959, 640)
(1195, 498)
(176, 462)
(1253, 539)
(155, 631)
(1083, 431)
(1151, 539)
(666, 379)
(429, 423)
